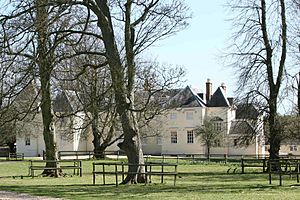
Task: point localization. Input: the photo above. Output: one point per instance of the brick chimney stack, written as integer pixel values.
(208, 89)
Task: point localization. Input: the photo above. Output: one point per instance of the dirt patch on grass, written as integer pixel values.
(5, 195)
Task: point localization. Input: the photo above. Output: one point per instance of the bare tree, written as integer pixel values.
(209, 135)
(260, 50)
(142, 23)
(33, 39)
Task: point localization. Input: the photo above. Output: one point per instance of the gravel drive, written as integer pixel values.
(5, 195)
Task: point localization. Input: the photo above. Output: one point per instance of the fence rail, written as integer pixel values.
(119, 169)
(172, 157)
(15, 156)
(283, 167)
(75, 165)
(88, 154)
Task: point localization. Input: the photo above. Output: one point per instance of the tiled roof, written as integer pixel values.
(239, 127)
(218, 99)
(186, 98)
(66, 101)
(247, 111)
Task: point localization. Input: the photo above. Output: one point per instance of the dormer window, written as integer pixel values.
(217, 123)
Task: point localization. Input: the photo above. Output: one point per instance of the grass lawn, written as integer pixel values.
(196, 181)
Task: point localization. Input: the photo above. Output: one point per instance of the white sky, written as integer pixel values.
(199, 47)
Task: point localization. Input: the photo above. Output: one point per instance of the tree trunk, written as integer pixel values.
(274, 128)
(274, 138)
(123, 89)
(274, 83)
(45, 69)
(132, 146)
(11, 146)
(208, 153)
(298, 92)
(98, 151)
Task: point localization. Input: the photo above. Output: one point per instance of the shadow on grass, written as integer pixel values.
(187, 184)
(125, 191)
(196, 184)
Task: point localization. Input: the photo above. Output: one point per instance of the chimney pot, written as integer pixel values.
(208, 90)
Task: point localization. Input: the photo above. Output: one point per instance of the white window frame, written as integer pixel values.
(218, 126)
(174, 137)
(190, 136)
(27, 140)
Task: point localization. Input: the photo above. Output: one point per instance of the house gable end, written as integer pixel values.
(186, 98)
(218, 99)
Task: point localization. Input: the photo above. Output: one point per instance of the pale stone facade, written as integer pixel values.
(189, 112)
(174, 130)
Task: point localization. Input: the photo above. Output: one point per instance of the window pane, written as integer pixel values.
(190, 137)
(173, 137)
(27, 140)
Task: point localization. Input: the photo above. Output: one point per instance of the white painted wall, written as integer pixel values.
(68, 136)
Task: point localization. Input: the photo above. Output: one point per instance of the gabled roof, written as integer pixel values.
(247, 111)
(186, 98)
(241, 127)
(66, 101)
(61, 103)
(218, 99)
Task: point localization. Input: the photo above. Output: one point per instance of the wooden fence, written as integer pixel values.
(86, 154)
(120, 168)
(283, 167)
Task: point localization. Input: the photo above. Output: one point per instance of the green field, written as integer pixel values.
(196, 181)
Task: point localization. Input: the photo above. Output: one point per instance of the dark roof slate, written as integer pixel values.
(218, 99)
(247, 111)
(186, 98)
(66, 101)
(241, 127)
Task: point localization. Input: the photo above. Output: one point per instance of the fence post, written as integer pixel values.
(103, 169)
(280, 174)
(243, 171)
(270, 171)
(94, 182)
(150, 173)
(162, 171)
(116, 171)
(297, 165)
(175, 176)
(146, 173)
(264, 165)
(122, 171)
